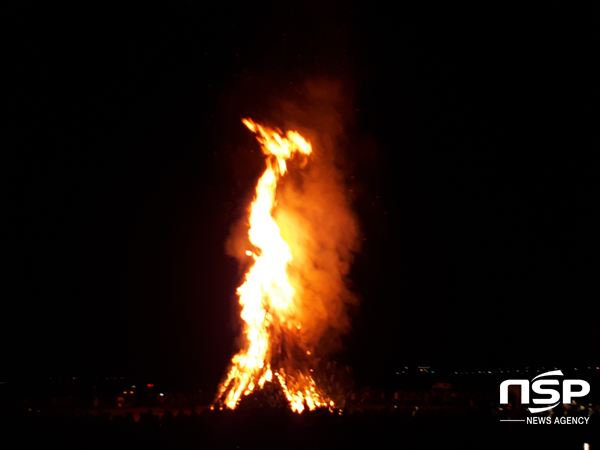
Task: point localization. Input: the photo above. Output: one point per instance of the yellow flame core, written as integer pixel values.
(267, 295)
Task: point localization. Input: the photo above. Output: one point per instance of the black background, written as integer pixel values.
(473, 183)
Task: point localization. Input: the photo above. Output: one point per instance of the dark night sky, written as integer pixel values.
(473, 182)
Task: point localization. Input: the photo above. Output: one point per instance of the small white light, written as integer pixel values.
(162, 395)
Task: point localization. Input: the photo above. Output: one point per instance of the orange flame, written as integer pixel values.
(267, 296)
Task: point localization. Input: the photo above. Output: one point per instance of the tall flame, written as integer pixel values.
(267, 296)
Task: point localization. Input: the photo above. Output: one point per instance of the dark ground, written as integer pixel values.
(270, 429)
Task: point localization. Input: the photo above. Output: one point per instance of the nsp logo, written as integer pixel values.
(537, 386)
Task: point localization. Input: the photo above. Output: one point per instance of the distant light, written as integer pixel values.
(131, 392)
(248, 252)
(432, 371)
(120, 405)
(162, 395)
(586, 446)
(133, 387)
(150, 385)
(124, 392)
(397, 373)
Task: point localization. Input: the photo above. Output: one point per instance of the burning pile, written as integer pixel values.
(285, 294)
